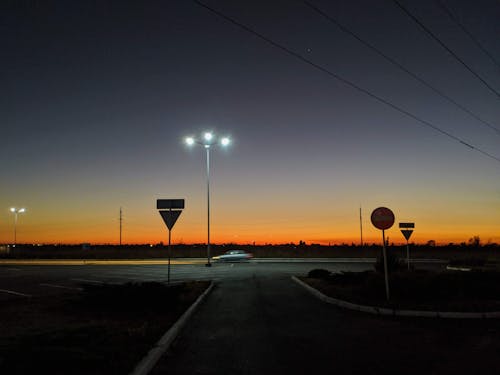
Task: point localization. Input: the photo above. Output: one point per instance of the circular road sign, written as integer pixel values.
(382, 218)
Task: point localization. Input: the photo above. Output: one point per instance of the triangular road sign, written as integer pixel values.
(407, 233)
(170, 217)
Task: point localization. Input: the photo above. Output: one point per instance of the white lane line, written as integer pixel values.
(128, 279)
(89, 281)
(93, 281)
(15, 293)
(60, 286)
(119, 277)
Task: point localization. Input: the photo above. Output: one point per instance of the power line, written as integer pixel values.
(441, 43)
(464, 29)
(399, 65)
(345, 81)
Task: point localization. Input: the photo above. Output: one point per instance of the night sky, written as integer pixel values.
(97, 97)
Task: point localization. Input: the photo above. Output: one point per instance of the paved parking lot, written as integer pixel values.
(33, 280)
(258, 321)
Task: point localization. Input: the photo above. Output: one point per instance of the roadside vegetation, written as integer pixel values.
(450, 252)
(104, 329)
(475, 291)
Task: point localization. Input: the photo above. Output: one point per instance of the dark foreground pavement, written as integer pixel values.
(264, 324)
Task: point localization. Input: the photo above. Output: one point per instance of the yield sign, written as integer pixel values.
(170, 217)
(407, 233)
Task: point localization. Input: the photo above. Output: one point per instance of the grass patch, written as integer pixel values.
(105, 329)
(476, 291)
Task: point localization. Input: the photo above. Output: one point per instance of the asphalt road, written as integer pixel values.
(258, 321)
(263, 323)
(18, 281)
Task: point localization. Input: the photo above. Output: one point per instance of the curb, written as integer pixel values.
(394, 312)
(314, 260)
(94, 262)
(156, 261)
(453, 268)
(150, 360)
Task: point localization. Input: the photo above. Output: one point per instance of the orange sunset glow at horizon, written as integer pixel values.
(310, 226)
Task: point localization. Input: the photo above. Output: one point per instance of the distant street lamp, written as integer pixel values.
(16, 211)
(208, 140)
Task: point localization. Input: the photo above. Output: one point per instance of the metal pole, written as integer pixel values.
(120, 226)
(208, 206)
(408, 254)
(15, 228)
(361, 226)
(169, 255)
(386, 274)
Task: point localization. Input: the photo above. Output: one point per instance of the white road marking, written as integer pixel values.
(93, 281)
(15, 293)
(89, 281)
(61, 286)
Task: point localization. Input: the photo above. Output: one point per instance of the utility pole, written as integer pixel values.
(121, 219)
(361, 226)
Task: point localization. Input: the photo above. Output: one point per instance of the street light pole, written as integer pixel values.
(207, 147)
(15, 229)
(207, 141)
(16, 211)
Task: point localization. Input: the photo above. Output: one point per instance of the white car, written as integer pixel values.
(233, 255)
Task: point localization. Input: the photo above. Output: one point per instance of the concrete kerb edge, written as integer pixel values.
(95, 262)
(150, 360)
(394, 312)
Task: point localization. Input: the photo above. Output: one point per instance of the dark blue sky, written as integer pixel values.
(97, 97)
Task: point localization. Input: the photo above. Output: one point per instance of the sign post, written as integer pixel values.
(383, 218)
(170, 217)
(407, 233)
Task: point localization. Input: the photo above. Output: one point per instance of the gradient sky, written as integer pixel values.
(97, 97)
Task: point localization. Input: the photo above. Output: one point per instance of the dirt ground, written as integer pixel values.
(86, 333)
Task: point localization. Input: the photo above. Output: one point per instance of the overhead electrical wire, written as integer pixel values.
(344, 80)
(464, 29)
(442, 44)
(399, 65)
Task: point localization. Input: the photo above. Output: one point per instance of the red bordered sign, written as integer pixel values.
(382, 218)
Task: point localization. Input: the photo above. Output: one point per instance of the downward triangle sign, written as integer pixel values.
(170, 217)
(407, 233)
